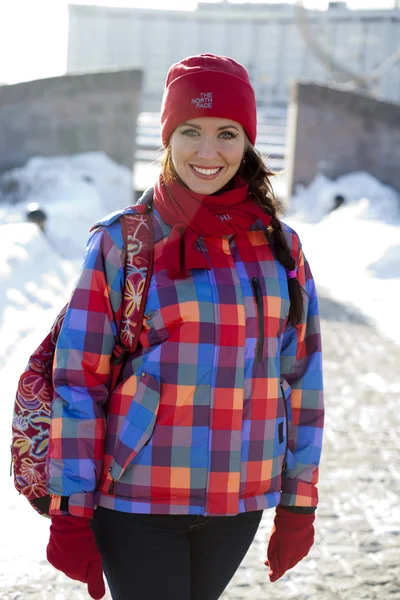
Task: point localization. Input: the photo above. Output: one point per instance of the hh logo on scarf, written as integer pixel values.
(225, 217)
(204, 101)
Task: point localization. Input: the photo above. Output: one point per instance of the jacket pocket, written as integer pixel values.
(137, 427)
(260, 318)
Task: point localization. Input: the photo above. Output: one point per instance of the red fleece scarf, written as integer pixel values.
(192, 215)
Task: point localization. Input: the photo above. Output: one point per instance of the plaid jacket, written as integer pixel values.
(219, 411)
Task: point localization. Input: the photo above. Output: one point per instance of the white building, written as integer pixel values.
(266, 39)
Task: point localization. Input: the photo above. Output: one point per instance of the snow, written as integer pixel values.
(354, 253)
(74, 191)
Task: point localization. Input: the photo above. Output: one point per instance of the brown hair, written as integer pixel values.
(256, 174)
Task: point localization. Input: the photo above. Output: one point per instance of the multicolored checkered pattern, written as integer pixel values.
(208, 413)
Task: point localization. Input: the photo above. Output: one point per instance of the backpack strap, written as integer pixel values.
(146, 198)
(137, 232)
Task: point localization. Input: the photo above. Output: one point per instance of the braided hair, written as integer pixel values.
(256, 174)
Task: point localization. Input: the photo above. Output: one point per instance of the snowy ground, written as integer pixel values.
(354, 253)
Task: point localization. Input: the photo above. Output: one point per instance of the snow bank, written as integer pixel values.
(37, 270)
(74, 191)
(34, 285)
(354, 251)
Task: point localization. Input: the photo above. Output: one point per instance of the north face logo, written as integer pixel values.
(203, 101)
(225, 217)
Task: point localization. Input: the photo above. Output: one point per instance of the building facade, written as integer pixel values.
(268, 39)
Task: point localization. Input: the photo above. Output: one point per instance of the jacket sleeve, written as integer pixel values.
(302, 383)
(81, 375)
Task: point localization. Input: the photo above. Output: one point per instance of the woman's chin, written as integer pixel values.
(204, 187)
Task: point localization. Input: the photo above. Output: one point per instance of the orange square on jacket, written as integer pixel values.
(189, 311)
(273, 307)
(180, 477)
(177, 395)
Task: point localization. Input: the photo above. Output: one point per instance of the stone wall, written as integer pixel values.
(70, 114)
(337, 132)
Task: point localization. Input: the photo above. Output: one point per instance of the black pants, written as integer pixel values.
(171, 557)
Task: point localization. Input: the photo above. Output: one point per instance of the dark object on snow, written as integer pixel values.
(88, 178)
(338, 200)
(35, 214)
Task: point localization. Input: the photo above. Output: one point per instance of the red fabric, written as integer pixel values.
(291, 538)
(208, 86)
(72, 549)
(192, 215)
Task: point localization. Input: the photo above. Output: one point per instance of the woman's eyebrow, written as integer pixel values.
(190, 124)
(227, 127)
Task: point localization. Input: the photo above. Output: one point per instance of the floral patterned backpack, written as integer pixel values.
(32, 406)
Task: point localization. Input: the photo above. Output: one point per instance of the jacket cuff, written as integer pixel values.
(300, 510)
(299, 493)
(79, 505)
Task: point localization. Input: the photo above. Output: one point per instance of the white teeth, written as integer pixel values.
(206, 171)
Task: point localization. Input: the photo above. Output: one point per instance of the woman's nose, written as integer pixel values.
(207, 148)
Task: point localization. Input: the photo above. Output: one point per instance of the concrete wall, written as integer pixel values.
(70, 114)
(265, 38)
(337, 132)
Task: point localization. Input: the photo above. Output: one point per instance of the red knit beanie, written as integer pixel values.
(208, 86)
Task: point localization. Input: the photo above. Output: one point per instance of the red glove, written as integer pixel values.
(72, 549)
(291, 538)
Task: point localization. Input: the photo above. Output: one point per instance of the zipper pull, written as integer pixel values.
(111, 488)
(260, 318)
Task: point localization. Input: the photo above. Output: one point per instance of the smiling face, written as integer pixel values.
(207, 152)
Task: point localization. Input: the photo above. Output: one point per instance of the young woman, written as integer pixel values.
(227, 375)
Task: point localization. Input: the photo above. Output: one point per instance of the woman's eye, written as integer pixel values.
(190, 132)
(227, 135)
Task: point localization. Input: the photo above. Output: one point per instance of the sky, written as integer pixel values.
(33, 34)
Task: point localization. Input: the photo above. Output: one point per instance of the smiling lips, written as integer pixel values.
(202, 173)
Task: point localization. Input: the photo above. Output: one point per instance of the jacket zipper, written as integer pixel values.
(284, 464)
(260, 314)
